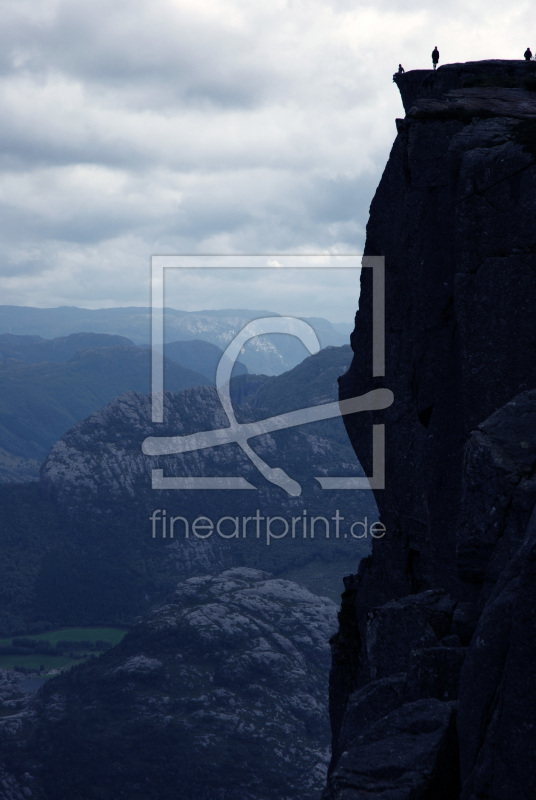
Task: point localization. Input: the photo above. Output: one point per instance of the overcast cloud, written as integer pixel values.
(173, 126)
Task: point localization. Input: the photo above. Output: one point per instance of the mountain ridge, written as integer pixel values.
(96, 560)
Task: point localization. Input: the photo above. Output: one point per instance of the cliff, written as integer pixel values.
(432, 689)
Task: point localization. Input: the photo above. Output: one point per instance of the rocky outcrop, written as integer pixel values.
(497, 551)
(221, 693)
(101, 457)
(495, 74)
(454, 218)
(100, 478)
(405, 754)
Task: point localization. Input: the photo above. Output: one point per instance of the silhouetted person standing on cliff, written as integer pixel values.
(527, 54)
(435, 56)
(400, 69)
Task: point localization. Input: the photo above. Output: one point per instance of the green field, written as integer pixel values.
(37, 660)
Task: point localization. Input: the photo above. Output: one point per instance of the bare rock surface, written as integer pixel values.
(454, 218)
(221, 692)
(405, 755)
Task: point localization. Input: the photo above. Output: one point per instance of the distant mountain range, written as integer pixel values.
(36, 350)
(48, 385)
(270, 355)
(40, 401)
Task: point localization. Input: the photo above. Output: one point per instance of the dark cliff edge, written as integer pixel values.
(433, 688)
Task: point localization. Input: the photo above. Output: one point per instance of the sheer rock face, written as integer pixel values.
(454, 218)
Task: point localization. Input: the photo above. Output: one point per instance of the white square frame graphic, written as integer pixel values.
(161, 263)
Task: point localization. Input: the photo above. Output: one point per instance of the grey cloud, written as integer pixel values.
(160, 57)
(341, 198)
(134, 128)
(316, 212)
(21, 149)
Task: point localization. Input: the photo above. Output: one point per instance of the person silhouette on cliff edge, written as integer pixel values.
(527, 54)
(400, 69)
(435, 56)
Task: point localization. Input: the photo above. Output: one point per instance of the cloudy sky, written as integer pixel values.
(131, 128)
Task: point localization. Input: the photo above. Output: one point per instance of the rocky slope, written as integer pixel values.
(432, 686)
(219, 693)
(81, 547)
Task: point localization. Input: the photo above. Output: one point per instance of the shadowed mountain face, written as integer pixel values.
(39, 402)
(221, 693)
(434, 658)
(48, 385)
(200, 356)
